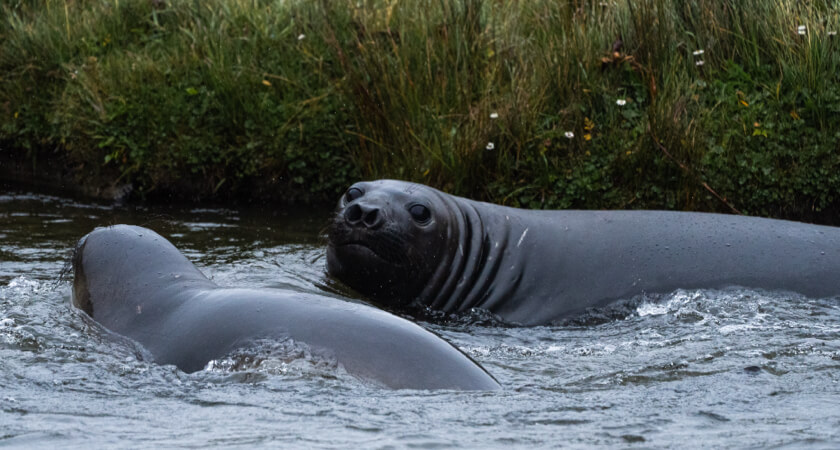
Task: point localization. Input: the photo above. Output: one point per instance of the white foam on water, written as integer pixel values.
(272, 357)
(676, 302)
(651, 309)
(23, 287)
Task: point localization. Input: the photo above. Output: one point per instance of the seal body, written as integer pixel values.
(137, 284)
(534, 267)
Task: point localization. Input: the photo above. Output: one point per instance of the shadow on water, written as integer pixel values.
(726, 368)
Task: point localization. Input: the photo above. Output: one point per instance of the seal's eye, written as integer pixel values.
(353, 194)
(420, 213)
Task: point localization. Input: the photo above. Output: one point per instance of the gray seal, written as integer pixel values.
(402, 244)
(137, 284)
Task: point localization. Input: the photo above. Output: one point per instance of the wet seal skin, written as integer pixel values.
(137, 284)
(404, 244)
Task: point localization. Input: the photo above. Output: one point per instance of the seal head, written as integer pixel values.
(401, 243)
(384, 239)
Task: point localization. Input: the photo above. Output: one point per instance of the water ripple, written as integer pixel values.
(695, 368)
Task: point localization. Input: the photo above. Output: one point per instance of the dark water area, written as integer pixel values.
(730, 368)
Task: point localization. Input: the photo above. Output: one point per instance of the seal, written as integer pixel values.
(137, 284)
(402, 244)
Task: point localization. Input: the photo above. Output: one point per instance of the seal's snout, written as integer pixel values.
(363, 215)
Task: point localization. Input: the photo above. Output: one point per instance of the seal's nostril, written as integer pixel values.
(353, 213)
(371, 216)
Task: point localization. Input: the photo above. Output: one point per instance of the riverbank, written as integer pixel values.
(715, 106)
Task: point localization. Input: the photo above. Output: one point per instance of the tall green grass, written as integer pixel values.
(190, 97)
(478, 97)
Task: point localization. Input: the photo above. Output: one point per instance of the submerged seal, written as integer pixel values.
(402, 243)
(137, 284)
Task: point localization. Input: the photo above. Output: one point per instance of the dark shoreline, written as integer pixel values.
(55, 179)
(51, 176)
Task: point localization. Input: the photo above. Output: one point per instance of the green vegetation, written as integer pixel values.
(685, 104)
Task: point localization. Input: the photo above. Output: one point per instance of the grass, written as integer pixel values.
(296, 99)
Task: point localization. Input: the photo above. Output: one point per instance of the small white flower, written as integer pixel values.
(569, 134)
(699, 63)
(698, 52)
(621, 102)
(301, 37)
(801, 29)
(490, 146)
(494, 115)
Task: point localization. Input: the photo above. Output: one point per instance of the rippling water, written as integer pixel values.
(732, 368)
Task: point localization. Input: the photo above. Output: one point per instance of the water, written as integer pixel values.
(732, 368)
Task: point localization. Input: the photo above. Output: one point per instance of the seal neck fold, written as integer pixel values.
(465, 277)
